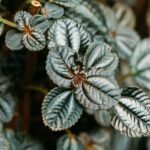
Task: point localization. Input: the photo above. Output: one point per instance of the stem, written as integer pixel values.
(7, 22)
(70, 134)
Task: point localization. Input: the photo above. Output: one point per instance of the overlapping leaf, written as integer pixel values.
(66, 3)
(125, 38)
(89, 15)
(132, 114)
(7, 107)
(124, 15)
(66, 32)
(60, 110)
(69, 143)
(51, 10)
(140, 63)
(59, 65)
(30, 32)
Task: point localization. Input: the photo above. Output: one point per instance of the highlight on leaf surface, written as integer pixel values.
(60, 109)
(69, 143)
(29, 33)
(7, 108)
(51, 10)
(140, 63)
(66, 3)
(132, 114)
(67, 32)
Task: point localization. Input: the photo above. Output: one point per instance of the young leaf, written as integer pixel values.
(66, 3)
(69, 143)
(22, 19)
(132, 114)
(98, 92)
(35, 40)
(66, 32)
(140, 63)
(51, 10)
(7, 107)
(59, 65)
(39, 22)
(11, 36)
(60, 109)
(100, 58)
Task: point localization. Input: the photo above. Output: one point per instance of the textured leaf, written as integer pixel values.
(132, 114)
(7, 106)
(89, 14)
(66, 3)
(59, 65)
(39, 22)
(103, 118)
(124, 15)
(13, 40)
(100, 58)
(66, 32)
(4, 143)
(51, 10)
(22, 19)
(34, 40)
(140, 63)
(125, 38)
(60, 110)
(126, 41)
(69, 143)
(98, 92)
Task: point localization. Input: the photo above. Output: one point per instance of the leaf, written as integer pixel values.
(132, 114)
(22, 19)
(39, 22)
(126, 41)
(64, 32)
(98, 92)
(51, 10)
(140, 63)
(124, 15)
(100, 58)
(88, 11)
(59, 65)
(60, 109)
(69, 143)
(34, 40)
(102, 117)
(4, 143)
(11, 36)
(66, 3)
(7, 108)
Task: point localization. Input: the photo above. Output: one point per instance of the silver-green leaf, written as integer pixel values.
(59, 65)
(140, 63)
(132, 114)
(69, 143)
(66, 3)
(98, 92)
(51, 10)
(4, 143)
(60, 109)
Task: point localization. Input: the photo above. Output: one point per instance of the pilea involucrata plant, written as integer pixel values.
(98, 63)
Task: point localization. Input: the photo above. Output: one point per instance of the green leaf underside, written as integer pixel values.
(132, 114)
(60, 110)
